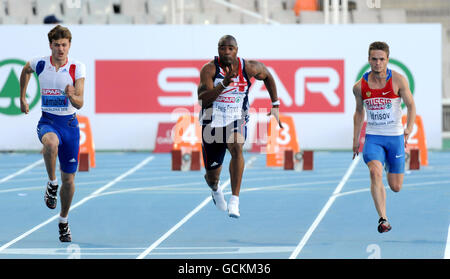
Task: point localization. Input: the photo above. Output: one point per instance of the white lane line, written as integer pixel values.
(185, 218)
(21, 189)
(82, 201)
(324, 210)
(407, 185)
(447, 246)
(178, 225)
(27, 168)
(133, 251)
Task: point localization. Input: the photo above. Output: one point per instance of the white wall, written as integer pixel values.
(286, 49)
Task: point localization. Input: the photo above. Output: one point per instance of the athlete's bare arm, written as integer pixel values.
(76, 93)
(207, 93)
(259, 71)
(405, 93)
(358, 117)
(25, 76)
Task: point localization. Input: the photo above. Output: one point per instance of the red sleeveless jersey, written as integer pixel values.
(383, 108)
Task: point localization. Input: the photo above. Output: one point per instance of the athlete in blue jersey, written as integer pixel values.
(223, 96)
(380, 92)
(62, 88)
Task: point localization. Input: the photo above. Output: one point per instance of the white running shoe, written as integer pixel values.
(233, 209)
(219, 200)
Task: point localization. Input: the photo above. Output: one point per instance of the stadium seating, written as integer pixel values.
(19, 8)
(14, 20)
(160, 10)
(47, 7)
(72, 14)
(94, 19)
(200, 18)
(284, 16)
(232, 17)
(134, 7)
(215, 12)
(393, 15)
(248, 5)
(100, 7)
(366, 16)
(308, 17)
(2, 11)
(119, 19)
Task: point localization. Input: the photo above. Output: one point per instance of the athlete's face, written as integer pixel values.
(60, 49)
(378, 61)
(227, 52)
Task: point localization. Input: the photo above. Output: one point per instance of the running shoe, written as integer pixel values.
(219, 200)
(64, 232)
(383, 225)
(51, 195)
(233, 209)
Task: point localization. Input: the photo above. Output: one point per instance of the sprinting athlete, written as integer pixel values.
(62, 89)
(223, 96)
(380, 92)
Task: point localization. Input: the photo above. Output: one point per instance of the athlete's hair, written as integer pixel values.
(379, 46)
(227, 38)
(59, 32)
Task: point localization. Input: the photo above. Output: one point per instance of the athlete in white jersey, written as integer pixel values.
(223, 96)
(62, 89)
(380, 92)
(53, 83)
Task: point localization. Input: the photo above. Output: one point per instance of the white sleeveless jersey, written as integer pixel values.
(53, 83)
(232, 104)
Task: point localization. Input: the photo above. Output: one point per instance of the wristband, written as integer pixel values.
(276, 103)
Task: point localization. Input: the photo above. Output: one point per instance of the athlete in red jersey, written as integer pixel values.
(380, 92)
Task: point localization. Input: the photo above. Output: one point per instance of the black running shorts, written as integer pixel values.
(215, 139)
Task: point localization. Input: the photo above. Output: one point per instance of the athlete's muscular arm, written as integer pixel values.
(358, 117)
(259, 71)
(207, 93)
(76, 93)
(405, 93)
(25, 76)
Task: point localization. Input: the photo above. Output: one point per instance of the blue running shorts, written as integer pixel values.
(68, 132)
(389, 150)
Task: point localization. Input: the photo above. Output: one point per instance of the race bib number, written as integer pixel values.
(54, 100)
(224, 114)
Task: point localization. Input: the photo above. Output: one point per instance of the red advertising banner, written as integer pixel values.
(164, 140)
(160, 86)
